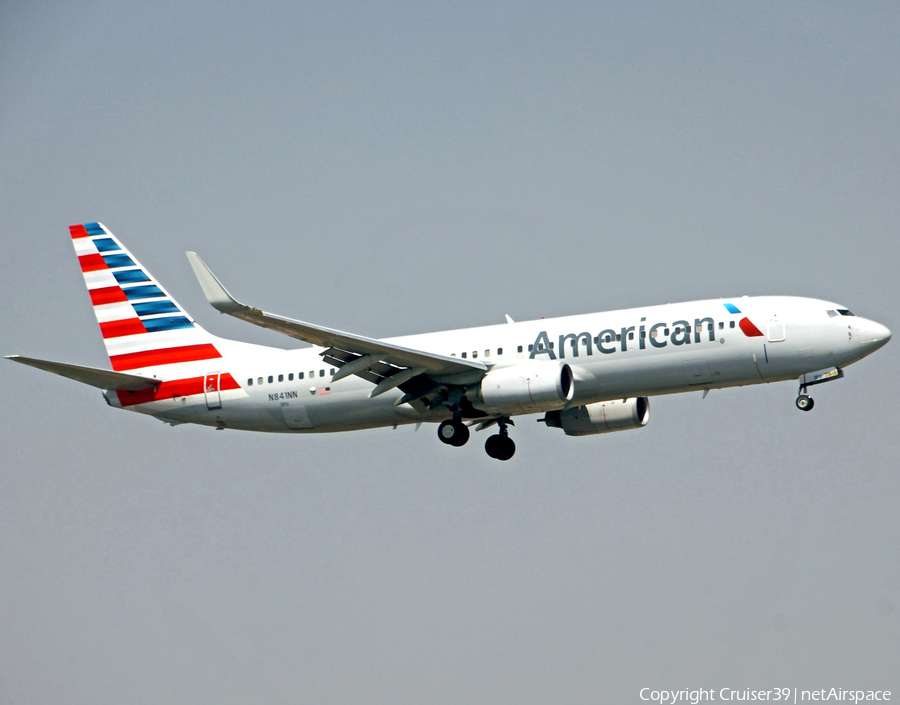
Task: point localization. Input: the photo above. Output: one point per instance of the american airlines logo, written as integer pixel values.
(657, 335)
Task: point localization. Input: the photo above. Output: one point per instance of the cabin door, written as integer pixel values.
(211, 390)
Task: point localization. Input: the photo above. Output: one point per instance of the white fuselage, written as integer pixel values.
(628, 353)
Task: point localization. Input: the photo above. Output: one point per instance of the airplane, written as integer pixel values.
(587, 374)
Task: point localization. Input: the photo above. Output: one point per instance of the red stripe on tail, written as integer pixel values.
(164, 356)
(107, 295)
(91, 263)
(126, 326)
(77, 231)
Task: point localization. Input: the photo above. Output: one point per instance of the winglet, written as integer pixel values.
(215, 293)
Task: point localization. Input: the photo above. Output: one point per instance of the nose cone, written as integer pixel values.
(872, 335)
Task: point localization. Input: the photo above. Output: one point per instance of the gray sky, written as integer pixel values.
(398, 168)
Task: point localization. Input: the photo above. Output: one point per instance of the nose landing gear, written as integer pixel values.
(804, 401)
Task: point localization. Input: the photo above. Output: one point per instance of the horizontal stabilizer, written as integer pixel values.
(95, 377)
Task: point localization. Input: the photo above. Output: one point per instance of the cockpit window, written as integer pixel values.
(832, 313)
(844, 312)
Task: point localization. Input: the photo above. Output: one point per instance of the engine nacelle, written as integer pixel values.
(531, 385)
(601, 417)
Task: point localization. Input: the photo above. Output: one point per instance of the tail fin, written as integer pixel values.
(142, 325)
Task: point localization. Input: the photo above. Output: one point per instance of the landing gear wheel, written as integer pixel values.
(804, 402)
(500, 447)
(453, 433)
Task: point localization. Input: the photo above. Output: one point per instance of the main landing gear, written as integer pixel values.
(453, 432)
(500, 446)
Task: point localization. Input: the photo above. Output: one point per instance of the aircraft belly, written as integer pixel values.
(348, 411)
(235, 412)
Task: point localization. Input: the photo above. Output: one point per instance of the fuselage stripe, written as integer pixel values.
(750, 330)
(175, 388)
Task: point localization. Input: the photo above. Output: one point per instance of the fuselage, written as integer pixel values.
(637, 352)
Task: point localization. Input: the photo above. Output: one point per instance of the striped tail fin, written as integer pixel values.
(142, 326)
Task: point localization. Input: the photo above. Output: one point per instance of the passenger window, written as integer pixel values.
(487, 353)
(270, 379)
(666, 331)
(654, 333)
(519, 349)
(281, 378)
(332, 372)
(250, 382)
(463, 355)
(259, 381)
(630, 336)
(531, 348)
(299, 375)
(721, 325)
(731, 324)
(474, 354)
(290, 377)
(312, 373)
(499, 351)
(452, 354)
(321, 373)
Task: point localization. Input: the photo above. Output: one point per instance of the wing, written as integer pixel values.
(388, 366)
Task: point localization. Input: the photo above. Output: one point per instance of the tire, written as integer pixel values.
(492, 445)
(500, 447)
(804, 402)
(453, 433)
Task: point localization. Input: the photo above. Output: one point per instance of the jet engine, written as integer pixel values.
(601, 417)
(528, 386)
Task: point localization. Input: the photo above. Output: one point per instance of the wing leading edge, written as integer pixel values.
(384, 364)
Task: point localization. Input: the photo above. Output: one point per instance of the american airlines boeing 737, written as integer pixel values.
(587, 374)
